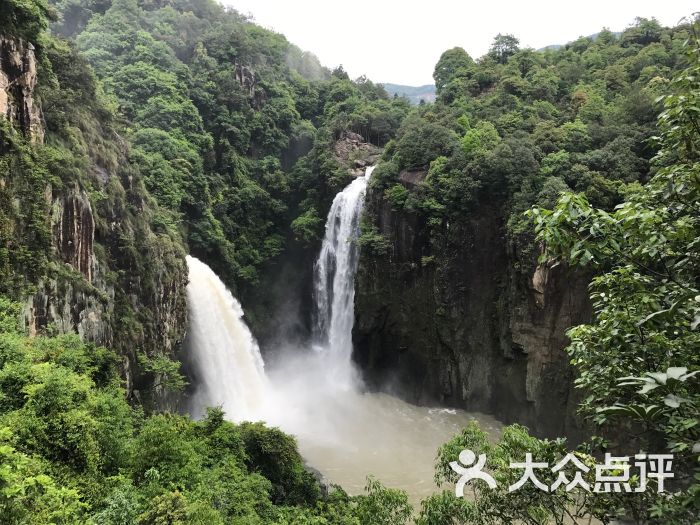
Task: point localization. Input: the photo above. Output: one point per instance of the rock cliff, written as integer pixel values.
(467, 327)
(18, 77)
(108, 276)
(353, 153)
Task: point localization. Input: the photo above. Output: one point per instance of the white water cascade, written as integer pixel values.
(343, 432)
(222, 352)
(334, 274)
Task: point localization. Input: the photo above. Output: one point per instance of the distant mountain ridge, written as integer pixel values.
(427, 92)
(413, 93)
(592, 37)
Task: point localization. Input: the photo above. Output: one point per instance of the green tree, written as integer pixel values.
(453, 63)
(638, 360)
(503, 47)
(26, 18)
(382, 506)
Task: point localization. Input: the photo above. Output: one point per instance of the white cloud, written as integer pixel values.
(400, 41)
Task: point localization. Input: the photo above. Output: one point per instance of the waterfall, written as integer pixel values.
(221, 351)
(334, 272)
(343, 431)
(224, 358)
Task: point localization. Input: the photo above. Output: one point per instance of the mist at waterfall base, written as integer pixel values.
(316, 393)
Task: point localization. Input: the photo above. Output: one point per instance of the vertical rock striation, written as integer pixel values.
(110, 278)
(467, 328)
(74, 231)
(18, 77)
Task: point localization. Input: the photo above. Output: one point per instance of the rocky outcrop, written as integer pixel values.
(282, 315)
(74, 231)
(128, 299)
(466, 328)
(77, 297)
(18, 77)
(64, 305)
(353, 152)
(246, 78)
(541, 308)
(108, 276)
(248, 81)
(411, 178)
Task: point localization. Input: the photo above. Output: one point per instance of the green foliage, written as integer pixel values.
(274, 455)
(382, 506)
(420, 141)
(25, 233)
(453, 188)
(200, 124)
(166, 372)
(528, 504)
(503, 47)
(78, 453)
(483, 136)
(25, 18)
(28, 494)
(397, 195)
(371, 241)
(638, 360)
(219, 110)
(81, 173)
(518, 127)
(307, 227)
(452, 71)
(10, 316)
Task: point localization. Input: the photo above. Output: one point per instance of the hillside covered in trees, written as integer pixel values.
(446, 238)
(490, 214)
(133, 133)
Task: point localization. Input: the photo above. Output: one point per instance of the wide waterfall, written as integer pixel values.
(221, 351)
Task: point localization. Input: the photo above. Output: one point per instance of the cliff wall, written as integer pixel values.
(467, 327)
(77, 230)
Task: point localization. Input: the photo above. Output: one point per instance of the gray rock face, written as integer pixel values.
(246, 78)
(74, 231)
(411, 178)
(69, 307)
(77, 298)
(352, 151)
(111, 280)
(469, 330)
(82, 296)
(18, 76)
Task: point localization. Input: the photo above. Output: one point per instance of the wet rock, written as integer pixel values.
(74, 231)
(466, 327)
(539, 284)
(112, 279)
(411, 178)
(246, 78)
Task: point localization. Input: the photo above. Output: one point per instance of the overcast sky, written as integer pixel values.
(400, 41)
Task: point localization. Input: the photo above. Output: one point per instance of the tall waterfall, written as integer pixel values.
(334, 271)
(222, 352)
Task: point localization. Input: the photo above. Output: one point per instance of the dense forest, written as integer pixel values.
(446, 238)
(136, 132)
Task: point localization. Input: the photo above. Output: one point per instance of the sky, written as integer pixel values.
(400, 41)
